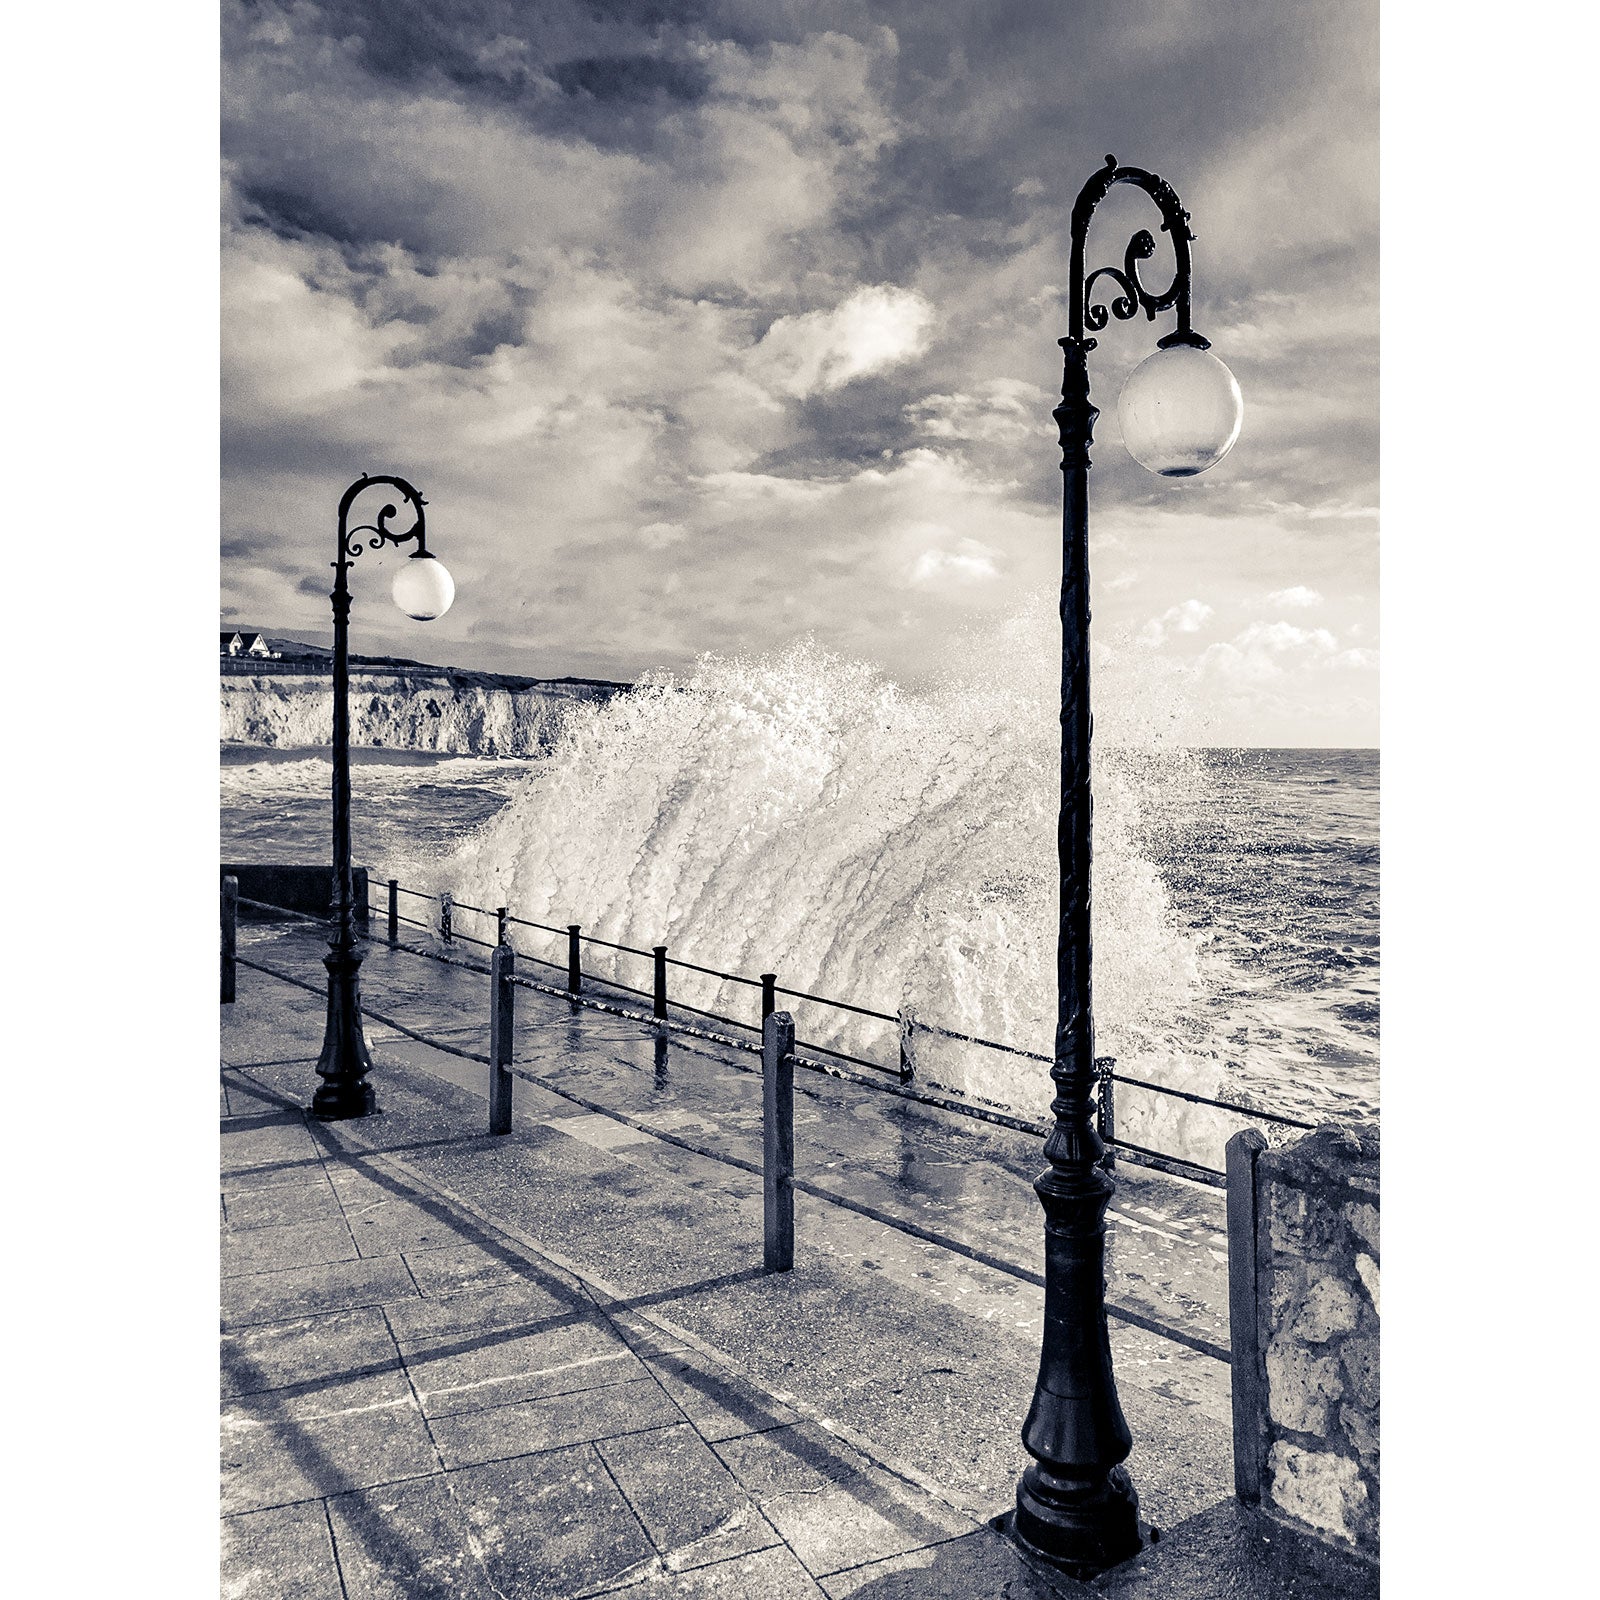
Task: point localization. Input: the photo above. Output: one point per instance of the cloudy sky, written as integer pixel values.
(706, 324)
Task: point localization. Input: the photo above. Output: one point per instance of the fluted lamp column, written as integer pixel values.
(423, 590)
(1180, 413)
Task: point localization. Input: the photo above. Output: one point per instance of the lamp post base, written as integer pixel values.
(344, 1063)
(1081, 1525)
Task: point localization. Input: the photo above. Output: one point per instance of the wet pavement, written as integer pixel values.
(439, 1276)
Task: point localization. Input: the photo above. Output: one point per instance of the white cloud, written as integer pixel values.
(1265, 651)
(1189, 617)
(967, 561)
(661, 535)
(877, 327)
(1299, 597)
(1002, 411)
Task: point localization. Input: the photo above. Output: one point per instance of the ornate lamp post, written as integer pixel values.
(1180, 412)
(424, 590)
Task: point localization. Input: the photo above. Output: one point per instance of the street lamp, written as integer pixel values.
(423, 590)
(1180, 413)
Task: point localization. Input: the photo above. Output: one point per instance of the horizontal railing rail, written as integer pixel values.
(906, 1021)
(777, 1167)
(811, 1054)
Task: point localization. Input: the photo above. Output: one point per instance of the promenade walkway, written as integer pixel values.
(549, 1364)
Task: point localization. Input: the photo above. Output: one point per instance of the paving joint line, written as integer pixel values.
(610, 1292)
(333, 1540)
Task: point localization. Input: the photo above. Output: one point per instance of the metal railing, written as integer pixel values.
(808, 1053)
(777, 1046)
(906, 1024)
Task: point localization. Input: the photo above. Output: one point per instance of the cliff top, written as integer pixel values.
(294, 655)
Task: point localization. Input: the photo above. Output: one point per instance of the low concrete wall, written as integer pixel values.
(296, 888)
(1303, 1307)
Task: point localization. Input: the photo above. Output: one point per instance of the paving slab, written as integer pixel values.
(551, 1526)
(690, 1504)
(507, 1367)
(834, 1509)
(294, 1244)
(451, 1268)
(378, 1438)
(976, 1566)
(719, 1403)
(523, 1305)
(282, 1554)
(1230, 1552)
(277, 1355)
(467, 1438)
(278, 1204)
(556, 1367)
(407, 1541)
(774, 1574)
(267, 1140)
(297, 1292)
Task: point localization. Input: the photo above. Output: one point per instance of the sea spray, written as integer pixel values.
(800, 813)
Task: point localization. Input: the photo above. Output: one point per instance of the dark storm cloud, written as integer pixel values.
(702, 299)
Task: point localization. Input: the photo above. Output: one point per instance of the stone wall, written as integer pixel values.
(1303, 1246)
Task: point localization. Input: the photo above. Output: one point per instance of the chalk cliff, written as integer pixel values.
(439, 709)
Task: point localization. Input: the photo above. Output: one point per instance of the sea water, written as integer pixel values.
(801, 814)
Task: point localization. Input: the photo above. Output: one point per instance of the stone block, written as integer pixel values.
(1363, 1220)
(1288, 1220)
(1301, 1387)
(297, 1244)
(1318, 1488)
(1367, 1271)
(1361, 1428)
(1327, 1309)
(276, 1355)
(1359, 1358)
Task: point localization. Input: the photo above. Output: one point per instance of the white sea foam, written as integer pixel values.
(799, 813)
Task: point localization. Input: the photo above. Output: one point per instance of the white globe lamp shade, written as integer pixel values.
(423, 589)
(1180, 411)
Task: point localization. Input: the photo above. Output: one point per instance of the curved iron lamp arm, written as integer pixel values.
(1084, 310)
(350, 545)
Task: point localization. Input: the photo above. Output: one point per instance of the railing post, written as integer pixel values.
(1106, 1107)
(769, 994)
(908, 1064)
(574, 960)
(446, 908)
(394, 910)
(501, 913)
(502, 1018)
(661, 981)
(1244, 1295)
(230, 936)
(777, 1123)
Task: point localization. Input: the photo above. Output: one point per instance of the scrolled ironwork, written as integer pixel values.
(350, 545)
(1086, 313)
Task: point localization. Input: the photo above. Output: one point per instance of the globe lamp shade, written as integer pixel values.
(423, 589)
(1180, 411)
